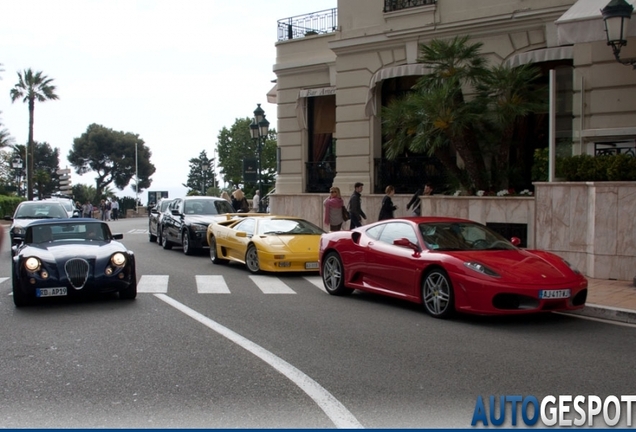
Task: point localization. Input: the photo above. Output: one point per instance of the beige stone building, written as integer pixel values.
(335, 69)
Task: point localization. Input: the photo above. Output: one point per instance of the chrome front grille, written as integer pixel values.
(77, 272)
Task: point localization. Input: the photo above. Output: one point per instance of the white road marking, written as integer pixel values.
(153, 284)
(2, 279)
(271, 285)
(211, 285)
(317, 281)
(137, 231)
(336, 411)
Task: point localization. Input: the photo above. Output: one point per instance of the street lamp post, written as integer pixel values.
(17, 165)
(204, 167)
(259, 128)
(136, 180)
(616, 15)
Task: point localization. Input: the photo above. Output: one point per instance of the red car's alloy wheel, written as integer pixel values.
(437, 294)
(333, 275)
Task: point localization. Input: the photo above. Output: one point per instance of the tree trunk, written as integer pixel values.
(30, 151)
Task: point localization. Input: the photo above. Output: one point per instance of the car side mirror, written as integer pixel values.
(241, 234)
(404, 242)
(175, 212)
(117, 236)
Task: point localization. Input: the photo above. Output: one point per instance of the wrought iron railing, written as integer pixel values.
(394, 5)
(407, 174)
(322, 22)
(614, 148)
(320, 175)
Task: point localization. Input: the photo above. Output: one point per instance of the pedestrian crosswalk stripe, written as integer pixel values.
(270, 285)
(211, 285)
(153, 284)
(137, 231)
(2, 279)
(317, 281)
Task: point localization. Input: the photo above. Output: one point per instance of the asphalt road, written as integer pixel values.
(259, 354)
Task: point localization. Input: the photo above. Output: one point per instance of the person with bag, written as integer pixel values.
(240, 203)
(416, 202)
(387, 209)
(355, 206)
(334, 206)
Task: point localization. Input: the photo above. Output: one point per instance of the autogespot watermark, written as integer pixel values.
(562, 410)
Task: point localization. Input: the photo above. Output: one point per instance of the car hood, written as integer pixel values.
(88, 250)
(294, 244)
(521, 266)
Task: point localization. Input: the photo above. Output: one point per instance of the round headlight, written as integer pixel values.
(119, 259)
(32, 264)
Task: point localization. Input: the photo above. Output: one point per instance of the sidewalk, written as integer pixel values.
(610, 299)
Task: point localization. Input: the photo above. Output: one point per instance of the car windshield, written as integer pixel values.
(287, 227)
(462, 236)
(85, 231)
(40, 210)
(207, 207)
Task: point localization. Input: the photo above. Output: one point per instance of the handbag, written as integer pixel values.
(345, 214)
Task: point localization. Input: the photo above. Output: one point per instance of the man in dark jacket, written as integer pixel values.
(415, 199)
(355, 206)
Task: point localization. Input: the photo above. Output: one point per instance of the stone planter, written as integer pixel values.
(590, 224)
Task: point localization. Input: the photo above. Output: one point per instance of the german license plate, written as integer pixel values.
(554, 294)
(50, 292)
(311, 265)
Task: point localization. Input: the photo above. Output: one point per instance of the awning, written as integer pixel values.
(583, 23)
(540, 56)
(414, 69)
(272, 95)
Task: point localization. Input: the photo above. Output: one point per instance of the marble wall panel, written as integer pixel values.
(626, 223)
(605, 219)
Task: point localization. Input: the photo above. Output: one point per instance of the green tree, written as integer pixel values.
(32, 86)
(83, 193)
(115, 156)
(47, 162)
(200, 180)
(234, 145)
(465, 108)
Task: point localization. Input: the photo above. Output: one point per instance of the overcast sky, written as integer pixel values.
(173, 72)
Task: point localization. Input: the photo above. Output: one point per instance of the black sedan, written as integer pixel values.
(29, 211)
(187, 219)
(155, 218)
(71, 257)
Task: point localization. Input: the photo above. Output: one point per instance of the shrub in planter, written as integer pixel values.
(619, 167)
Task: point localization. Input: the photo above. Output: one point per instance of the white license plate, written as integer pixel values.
(554, 294)
(311, 265)
(50, 292)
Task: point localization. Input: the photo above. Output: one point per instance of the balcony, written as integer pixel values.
(395, 5)
(322, 22)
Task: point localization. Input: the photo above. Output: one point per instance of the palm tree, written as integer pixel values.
(31, 87)
(437, 117)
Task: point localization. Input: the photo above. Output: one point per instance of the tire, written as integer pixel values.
(20, 299)
(437, 294)
(333, 275)
(251, 259)
(213, 253)
(129, 293)
(185, 243)
(165, 243)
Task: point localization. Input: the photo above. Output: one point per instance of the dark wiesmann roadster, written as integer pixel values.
(71, 257)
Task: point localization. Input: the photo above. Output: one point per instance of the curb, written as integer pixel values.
(608, 313)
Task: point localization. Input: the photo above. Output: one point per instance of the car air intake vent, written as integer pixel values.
(77, 272)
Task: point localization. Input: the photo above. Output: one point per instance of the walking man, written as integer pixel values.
(355, 206)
